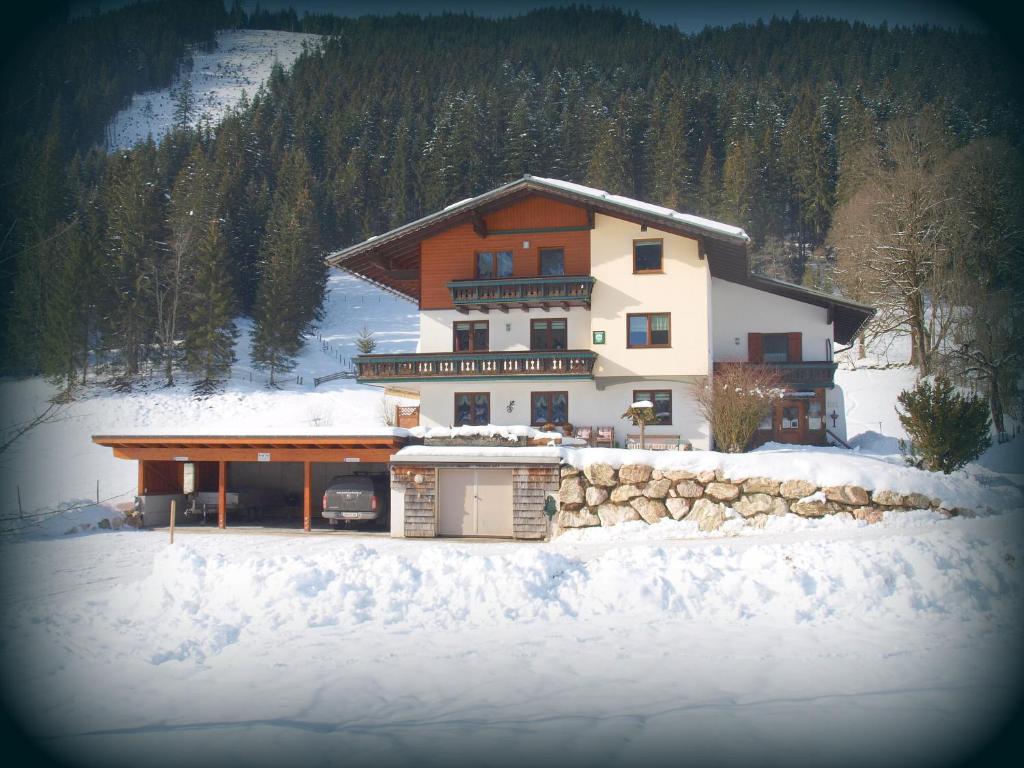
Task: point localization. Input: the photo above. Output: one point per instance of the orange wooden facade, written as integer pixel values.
(162, 459)
(451, 254)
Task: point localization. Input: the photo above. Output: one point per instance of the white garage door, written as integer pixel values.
(475, 502)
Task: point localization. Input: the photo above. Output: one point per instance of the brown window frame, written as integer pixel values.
(652, 393)
(494, 264)
(548, 320)
(472, 401)
(550, 394)
(649, 315)
(649, 241)
(472, 345)
(540, 260)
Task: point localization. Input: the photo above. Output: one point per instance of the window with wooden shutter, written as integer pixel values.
(755, 348)
(796, 347)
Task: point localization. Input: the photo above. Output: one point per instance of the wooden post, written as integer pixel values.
(307, 496)
(174, 514)
(142, 477)
(222, 500)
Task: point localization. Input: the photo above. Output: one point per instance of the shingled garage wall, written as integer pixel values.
(531, 484)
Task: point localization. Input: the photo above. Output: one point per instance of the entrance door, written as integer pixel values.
(475, 502)
(792, 422)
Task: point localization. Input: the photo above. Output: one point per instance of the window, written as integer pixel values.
(491, 264)
(548, 334)
(473, 408)
(647, 256)
(550, 407)
(776, 348)
(552, 261)
(648, 330)
(814, 420)
(662, 399)
(471, 336)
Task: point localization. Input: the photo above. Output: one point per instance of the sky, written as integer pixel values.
(687, 15)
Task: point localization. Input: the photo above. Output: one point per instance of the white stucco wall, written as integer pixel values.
(588, 406)
(683, 291)
(508, 331)
(737, 310)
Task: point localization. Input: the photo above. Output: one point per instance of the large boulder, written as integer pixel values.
(572, 492)
(813, 506)
(651, 510)
(797, 489)
(851, 495)
(887, 498)
(722, 491)
(613, 514)
(917, 501)
(707, 514)
(600, 474)
(581, 518)
(635, 473)
(868, 514)
(623, 493)
(596, 496)
(761, 485)
(689, 489)
(657, 489)
(760, 504)
(568, 470)
(675, 475)
(677, 508)
(705, 477)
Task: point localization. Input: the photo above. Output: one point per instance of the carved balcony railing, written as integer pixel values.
(566, 364)
(805, 375)
(523, 292)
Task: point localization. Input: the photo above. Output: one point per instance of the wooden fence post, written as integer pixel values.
(174, 514)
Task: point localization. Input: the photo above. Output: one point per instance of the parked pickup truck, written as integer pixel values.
(351, 498)
(251, 502)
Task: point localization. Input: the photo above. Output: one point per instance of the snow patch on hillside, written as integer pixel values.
(241, 61)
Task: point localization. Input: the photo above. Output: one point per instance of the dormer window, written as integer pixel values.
(647, 256)
(493, 264)
(552, 261)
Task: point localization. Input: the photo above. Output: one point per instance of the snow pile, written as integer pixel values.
(78, 516)
(512, 434)
(196, 603)
(241, 62)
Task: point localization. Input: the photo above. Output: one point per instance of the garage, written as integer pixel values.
(265, 481)
(475, 502)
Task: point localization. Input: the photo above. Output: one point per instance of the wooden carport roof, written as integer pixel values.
(317, 448)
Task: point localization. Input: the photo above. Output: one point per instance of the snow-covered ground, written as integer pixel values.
(837, 644)
(241, 61)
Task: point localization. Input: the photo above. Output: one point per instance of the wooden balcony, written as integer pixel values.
(805, 375)
(561, 364)
(522, 292)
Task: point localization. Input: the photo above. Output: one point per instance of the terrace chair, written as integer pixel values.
(605, 437)
(585, 433)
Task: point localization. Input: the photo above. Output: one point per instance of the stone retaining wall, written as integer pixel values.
(601, 495)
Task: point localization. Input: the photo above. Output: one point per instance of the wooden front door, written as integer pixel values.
(790, 423)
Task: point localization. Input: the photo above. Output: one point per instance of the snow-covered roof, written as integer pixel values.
(657, 210)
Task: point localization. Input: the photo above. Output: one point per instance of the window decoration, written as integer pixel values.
(493, 264)
(546, 335)
(472, 408)
(647, 256)
(648, 330)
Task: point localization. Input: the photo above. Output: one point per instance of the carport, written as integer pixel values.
(303, 463)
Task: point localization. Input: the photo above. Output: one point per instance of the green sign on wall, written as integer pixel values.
(599, 337)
